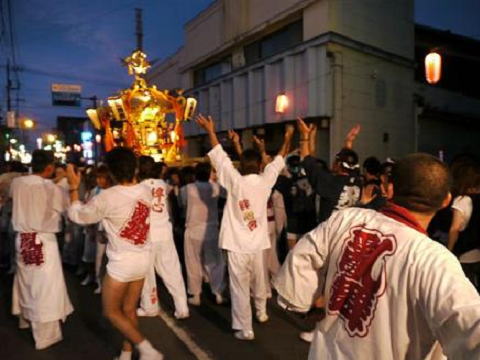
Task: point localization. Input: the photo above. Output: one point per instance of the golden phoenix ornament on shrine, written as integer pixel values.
(144, 118)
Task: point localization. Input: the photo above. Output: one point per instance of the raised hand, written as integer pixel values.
(289, 131)
(303, 128)
(233, 136)
(259, 143)
(206, 123)
(352, 135)
(73, 177)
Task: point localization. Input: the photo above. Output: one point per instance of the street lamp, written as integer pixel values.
(28, 124)
(51, 138)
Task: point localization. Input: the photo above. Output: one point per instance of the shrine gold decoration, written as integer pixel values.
(148, 120)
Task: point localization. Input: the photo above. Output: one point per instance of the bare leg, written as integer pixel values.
(129, 307)
(114, 297)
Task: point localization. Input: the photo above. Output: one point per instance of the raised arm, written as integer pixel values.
(351, 136)
(312, 143)
(74, 180)
(235, 139)
(305, 132)
(79, 213)
(287, 140)
(260, 144)
(208, 125)
(226, 172)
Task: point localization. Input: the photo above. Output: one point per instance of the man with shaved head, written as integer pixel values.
(390, 291)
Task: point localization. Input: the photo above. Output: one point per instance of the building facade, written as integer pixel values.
(339, 63)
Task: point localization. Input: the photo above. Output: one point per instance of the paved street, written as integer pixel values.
(205, 335)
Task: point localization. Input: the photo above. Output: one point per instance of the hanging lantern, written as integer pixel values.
(281, 104)
(433, 67)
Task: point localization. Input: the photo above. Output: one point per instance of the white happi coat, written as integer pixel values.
(390, 291)
(164, 257)
(244, 226)
(125, 215)
(39, 291)
(200, 199)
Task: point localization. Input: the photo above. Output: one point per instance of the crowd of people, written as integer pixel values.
(386, 255)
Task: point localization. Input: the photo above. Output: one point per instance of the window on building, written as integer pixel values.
(212, 71)
(272, 44)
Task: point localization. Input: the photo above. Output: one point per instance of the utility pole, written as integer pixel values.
(139, 28)
(9, 87)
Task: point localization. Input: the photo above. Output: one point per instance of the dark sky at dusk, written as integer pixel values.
(82, 42)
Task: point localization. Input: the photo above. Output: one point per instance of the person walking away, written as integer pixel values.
(244, 228)
(124, 210)
(202, 254)
(164, 257)
(390, 291)
(40, 297)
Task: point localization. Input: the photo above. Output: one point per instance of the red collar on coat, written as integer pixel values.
(402, 215)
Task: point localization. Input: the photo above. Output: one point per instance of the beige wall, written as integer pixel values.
(388, 25)
(377, 94)
(203, 34)
(166, 76)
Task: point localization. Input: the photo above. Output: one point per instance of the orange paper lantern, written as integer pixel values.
(281, 104)
(433, 67)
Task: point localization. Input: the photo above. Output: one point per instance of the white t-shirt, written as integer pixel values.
(465, 206)
(160, 224)
(37, 204)
(390, 291)
(200, 199)
(244, 227)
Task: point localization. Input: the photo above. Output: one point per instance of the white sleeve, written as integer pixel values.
(89, 213)
(299, 281)
(272, 170)
(226, 172)
(60, 199)
(450, 303)
(279, 211)
(464, 205)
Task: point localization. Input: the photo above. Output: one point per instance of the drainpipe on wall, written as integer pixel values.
(418, 107)
(336, 121)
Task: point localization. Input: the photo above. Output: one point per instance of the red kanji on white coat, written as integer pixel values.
(158, 202)
(361, 278)
(136, 229)
(32, 253)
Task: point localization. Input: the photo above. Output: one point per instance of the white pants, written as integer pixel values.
(46, 334)
(270, 258)
(246, 272)
(202, 254)
(164, 260)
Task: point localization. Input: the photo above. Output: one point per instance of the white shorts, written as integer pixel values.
(130, 266)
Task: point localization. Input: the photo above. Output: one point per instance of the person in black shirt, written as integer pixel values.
(299, 199)
(340, 188)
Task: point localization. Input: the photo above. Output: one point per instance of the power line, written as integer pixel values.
(85, 79)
